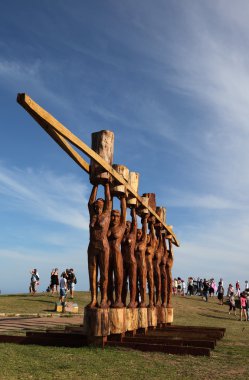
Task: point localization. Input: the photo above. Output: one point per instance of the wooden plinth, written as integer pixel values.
(161, 315)
(131, 319)
(117, 320)
(142, 318)
(152, 316)
(96, 322)
(170, 315)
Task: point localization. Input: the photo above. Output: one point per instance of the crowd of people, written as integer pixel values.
(234, 297)
(62, 286)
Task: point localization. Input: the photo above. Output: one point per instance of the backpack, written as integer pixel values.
(75, 280)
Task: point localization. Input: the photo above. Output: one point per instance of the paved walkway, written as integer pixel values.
(19, 325)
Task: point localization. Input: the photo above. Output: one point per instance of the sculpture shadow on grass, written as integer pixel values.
(217, 316)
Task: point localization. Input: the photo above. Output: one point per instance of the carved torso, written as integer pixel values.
(99, 225)
(115, 235)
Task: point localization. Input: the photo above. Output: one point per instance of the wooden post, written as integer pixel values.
(117, 188)
(133, 182)
(103, 144)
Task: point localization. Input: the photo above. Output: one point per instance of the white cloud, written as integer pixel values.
(47, 195)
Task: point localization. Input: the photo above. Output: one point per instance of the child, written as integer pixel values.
(232, 303)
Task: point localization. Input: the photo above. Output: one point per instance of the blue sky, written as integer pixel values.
(171, 79)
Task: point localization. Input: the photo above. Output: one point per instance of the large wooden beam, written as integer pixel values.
(62, 135)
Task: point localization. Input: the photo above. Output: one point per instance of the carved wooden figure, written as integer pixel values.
(169, 265)
(163, 270)
(156, 265)
(98, 249)
(115, 236)
(140, 249)
(149, 255)
(129, 260)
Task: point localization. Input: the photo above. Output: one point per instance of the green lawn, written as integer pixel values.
(230, 357)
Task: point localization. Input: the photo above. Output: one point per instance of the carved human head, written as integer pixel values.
(99, 205)
(127, 226)
(139, 234)
(115, 217)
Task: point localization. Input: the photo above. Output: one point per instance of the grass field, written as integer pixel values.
(229, 359)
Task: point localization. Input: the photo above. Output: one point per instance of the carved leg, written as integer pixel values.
(104, 267)
(163, 285)
(110, 288)
(92, 269)
(133, 283)
(125, 284)
(150, 279)
(118, 272)
(143, 284)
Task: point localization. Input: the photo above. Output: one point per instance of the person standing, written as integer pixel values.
(54, 280)
(237, 287)
(205, 290)
(220, 292)
(63, 290)
(232, 303)
(71, 281)
(34, 281)
(183, 288)
(243, 302)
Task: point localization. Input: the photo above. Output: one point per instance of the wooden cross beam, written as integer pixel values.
(62, 136)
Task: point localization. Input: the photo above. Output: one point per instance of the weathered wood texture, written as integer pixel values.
(103, 145)
(51, 125)
(152, 316)
(134, 184)
(142, 318)
(116, 188)
(152, 200)
(96, 322)
(170, 315)
(131, 319)
(161, 315)
(117, 318)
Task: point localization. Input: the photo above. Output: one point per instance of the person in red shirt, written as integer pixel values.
(243, 306)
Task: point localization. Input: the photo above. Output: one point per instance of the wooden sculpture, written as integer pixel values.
(115, 236)
(98, 249)
(149, 256)
(129, 260)
(140, 249)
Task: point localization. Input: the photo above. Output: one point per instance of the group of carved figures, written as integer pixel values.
(122, 254)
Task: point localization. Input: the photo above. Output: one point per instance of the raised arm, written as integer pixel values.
(144, 228)
(93, 196)
(169, 237)
(133, 220)
(152, 229)
(164, 243)
(108, 199)
(123, 210)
